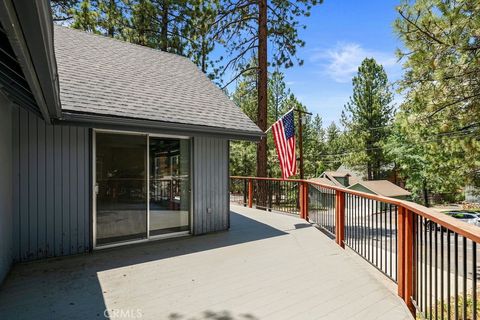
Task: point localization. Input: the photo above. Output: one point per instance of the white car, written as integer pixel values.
(466, 216)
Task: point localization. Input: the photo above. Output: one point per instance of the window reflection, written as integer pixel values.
(120, 187)
(169, 185)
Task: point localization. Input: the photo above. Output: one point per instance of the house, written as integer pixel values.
(344, 177)
(381, 187)
(103, 142)
(340, 178)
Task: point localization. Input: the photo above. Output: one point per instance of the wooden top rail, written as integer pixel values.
(462, 228)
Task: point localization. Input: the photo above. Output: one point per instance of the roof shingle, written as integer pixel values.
(103, 76)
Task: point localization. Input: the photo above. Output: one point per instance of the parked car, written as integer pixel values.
(465, 216)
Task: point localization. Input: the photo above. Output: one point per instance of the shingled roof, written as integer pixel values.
(383, 188)
(102, 76)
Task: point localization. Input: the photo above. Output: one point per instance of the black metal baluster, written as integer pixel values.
(376, 235)
(328, 210)
(358, 224)
(426, 265)
(417, 219)
(474, 280)
(362, 228)
(420, 289)
(464, 258)
(442, 293)
(391, 238)
(448, 274)
(455, 241)
(396, 241)
(430, 258)
(331, 208)
(370, 224)
(353, 239)
(348, 221)
(381, 236)
(436, 272)
(386, 237)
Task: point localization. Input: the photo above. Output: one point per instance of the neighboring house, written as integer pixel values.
(340, 178)
(104, 143)
(323, 181)
(354, 173)
(382, 188)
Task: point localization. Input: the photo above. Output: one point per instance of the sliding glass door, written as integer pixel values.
(121, 186)
(142, 187)
(169, 185)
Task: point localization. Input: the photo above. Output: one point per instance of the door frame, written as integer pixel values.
(93, 188)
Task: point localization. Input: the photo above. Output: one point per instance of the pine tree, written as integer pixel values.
(335, 149)
(367, 118)
(85, 17)
(438, 122)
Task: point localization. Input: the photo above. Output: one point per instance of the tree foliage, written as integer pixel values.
(435, 140)
(177, 26)
(367, 117)
(280, 100)
(236, 28)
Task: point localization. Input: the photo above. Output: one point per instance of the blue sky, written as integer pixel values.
(339, 35)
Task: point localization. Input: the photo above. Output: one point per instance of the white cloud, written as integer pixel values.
(341, 62)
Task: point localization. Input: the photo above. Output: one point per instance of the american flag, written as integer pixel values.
(284, 136)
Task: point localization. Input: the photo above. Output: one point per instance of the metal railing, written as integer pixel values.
(431, 257)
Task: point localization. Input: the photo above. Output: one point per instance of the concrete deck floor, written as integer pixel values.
(268, 266)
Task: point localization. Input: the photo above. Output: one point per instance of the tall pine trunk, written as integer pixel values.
(262, 99)
(111, 11)
(164, 31)
(426, 201)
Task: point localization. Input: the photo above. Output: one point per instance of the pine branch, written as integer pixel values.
(239, 75)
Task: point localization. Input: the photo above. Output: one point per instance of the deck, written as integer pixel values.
(268, 266)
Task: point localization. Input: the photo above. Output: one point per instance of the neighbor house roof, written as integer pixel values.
(337, 174)
(104, 79)
(322, 181)
(332, 175)
(383, 187)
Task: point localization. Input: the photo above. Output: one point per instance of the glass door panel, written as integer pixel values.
(169, 185)
(121, 187)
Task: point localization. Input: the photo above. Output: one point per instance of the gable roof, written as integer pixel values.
(327, 176)
(323, 181)
(105, 78)
(337, 174)
(383, 187)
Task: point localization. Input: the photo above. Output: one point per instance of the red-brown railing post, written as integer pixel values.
(250, 193)
(405, 261)
(303, 199)
(300, 199)
(340, 218)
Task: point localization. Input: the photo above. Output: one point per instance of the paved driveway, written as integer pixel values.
(268, 266)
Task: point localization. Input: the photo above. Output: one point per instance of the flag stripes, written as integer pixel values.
(284, 136)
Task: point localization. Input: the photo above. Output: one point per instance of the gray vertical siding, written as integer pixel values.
(210, 185)
(6, 185)
(51, 188)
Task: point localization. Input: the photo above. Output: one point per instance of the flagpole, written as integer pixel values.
(300, 140)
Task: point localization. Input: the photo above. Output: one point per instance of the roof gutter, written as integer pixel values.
(30, 34)
(140, 125)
